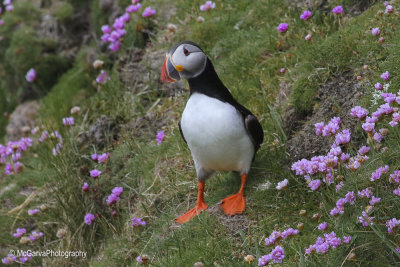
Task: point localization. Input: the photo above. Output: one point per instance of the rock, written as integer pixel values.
(23, 116)
(102, 133)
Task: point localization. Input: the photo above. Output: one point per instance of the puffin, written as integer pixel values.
(222, 135)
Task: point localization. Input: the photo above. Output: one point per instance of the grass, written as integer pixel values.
(159, 180)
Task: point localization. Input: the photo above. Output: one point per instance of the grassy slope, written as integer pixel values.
(159, 180)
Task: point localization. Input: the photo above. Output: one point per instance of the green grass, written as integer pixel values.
(159, 180)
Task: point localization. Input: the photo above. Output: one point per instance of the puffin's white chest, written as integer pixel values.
(216, 135)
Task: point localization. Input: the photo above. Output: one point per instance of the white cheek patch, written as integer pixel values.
(193, 63)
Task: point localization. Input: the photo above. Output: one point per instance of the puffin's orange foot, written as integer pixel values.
(234, 204)
(191, 213)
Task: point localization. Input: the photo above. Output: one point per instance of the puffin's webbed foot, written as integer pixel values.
(234, 204)
(200, 206)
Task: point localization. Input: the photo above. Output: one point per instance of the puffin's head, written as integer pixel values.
(184, 60)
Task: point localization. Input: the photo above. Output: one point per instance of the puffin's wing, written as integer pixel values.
(180, 130)
(254, 130)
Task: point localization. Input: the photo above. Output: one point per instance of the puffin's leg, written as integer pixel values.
(200, 205)
(236, 203)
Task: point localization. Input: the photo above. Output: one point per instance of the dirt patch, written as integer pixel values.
(233, 224)
(335, 98)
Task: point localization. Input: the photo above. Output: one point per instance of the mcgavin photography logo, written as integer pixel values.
(48, 253)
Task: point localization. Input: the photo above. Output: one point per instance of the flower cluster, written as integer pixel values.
(365, 219)
(114, 197)
(11, 153)
(148, 12)
(276, 236)
(89, 218)
(30, 75)
(282, 184)
(103, 77)
(160, 137)
(391, 224)
(379, 172)
(282, 27)
(306, 15)
(136, 222)
(323, 244)
(68, 121)
(340, 203)
(35, 236)
(277, 254)
(19, 232)
(337, 10)
(207, 6)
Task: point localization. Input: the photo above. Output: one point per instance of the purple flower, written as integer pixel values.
(20, 232)
(33, 212)
(314, 184)
(89, 218)
(368, 127)
(389, 9)
(85, 187)
(374, 200)
(335, 211)
(148, 12)
(136, 222)
(365, 219)
(343, 137)
(133, 8)
(18, 167)
(319, 127)
(289, 232)
(103, 77)
(25, 258)
(365, 193)
(375, 31)
(139, 259)
(397, 191)
(117, 191)
(282, 184)
(282, 70)
(305, 15)
(337, 10)
(69, 121)
(112, 199)
(9, 259)
(207, 6)
(395, 177)
(278, 254)
(378, 86)
(115, 46)
(391, 224)
(95, 173)
(346, 239)
(125, 18)
(1, 22)
(339, 186)
(308, 37)
(160, 137)
(264, 260)
(385, 75)
(106, 29)
(283, 27)
(30, 75)
(35, 235)
(94, 157)
(273, 237)
(378, 173)
(364, 150)
(11, 8)
(323, 226)
(358, 112)
(350, 197)
(103, 158)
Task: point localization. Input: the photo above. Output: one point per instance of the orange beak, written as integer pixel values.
(169, 73)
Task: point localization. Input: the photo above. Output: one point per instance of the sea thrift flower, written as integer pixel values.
(1, 22)
(364, 150)
(282, 184)
(378, 173)
(308, 37)
(25, 258)
(18, 167)
(264, 260)
(332, 127)
(335, 211)
(136, 222)
(365, 219)
(85, 187)
(273, 238)
(365, 193)
(35, 235)
(319, 127)
(378, 137)
(282, 70)
(395, 177)
(289, 232)
(368, 127)
(339, 186)
(397, 192)
(148, 12)
(283, 27)
(89, 218)
(391, 224)
(95, 173)
(207, 6)
(9, 259)
(30, 75)
(374, 200)
(358, 112)
(112, 199)
(69, 121)
(343, 137)
(33, 212)
(106, 29)
(337, 10)
(117, 191)
(323, 226)
(160, 137)
(385, 75)
(350, 197)
(346, 239)
(20, 232)
(389, 9)
(103, 158)
(305, 15)
(103, 77)
(278, 254)
(133, 8)
(115, 46)
(378, 86)
(314, 184)
(11, 8)
(375, 31)
(94, 157)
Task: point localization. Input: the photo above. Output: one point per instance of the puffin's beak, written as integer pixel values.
(169, 73)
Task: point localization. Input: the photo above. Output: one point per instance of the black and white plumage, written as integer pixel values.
(222, 134)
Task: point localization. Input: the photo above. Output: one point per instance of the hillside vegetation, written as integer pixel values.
(104, 169)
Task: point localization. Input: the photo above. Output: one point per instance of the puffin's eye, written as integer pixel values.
(186, 52)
